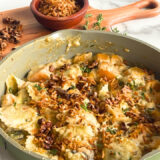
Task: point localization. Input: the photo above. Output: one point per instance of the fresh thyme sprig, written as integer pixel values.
(96, 25)
(88, 15)
(85, 27)
(116, 30)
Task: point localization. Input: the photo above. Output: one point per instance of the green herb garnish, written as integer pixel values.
(135, 123)
(60, 102)
(125, 34)
(115, 30)
(98, 23)
(133, 85)
(15, 104)
(10, 90)
(85, 69)
(121, 83)
(84, 106)
(25, 100)
(151, 90)
(111, 131)
(73, 87)
(99, 18)
(59, 96)
(85, 27)
(88, 15)
(150, 110)
(143, 95)
(103, 28)
(53, 151)
(38, 87)
(125, 110)
(92, 45)
(27, 120)
(99, 145)
(119, 153)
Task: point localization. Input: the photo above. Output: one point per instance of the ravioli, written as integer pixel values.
(13, 84)
(89, 107)
(70, 76)
(20, 117)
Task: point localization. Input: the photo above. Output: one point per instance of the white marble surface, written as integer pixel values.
(147, 30)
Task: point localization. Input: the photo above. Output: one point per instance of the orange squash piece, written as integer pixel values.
(106, 73)
(102, 57)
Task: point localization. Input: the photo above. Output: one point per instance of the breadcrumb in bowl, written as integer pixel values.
(62, 16)
(58, 8)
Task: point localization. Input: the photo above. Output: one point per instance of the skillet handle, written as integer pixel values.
(140, 9)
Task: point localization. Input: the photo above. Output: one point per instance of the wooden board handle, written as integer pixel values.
(140, 9)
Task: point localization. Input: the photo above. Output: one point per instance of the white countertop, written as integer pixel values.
(147, 30)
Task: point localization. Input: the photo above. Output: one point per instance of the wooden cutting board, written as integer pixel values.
(32, 29)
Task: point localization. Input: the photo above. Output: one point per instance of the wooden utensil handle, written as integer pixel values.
(140, 9)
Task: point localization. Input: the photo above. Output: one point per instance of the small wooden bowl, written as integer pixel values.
(57, 23)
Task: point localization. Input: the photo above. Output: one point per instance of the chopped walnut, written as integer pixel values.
(45, 134)
(3, 44)
(11, 33)
(93, 65)
(9, 20)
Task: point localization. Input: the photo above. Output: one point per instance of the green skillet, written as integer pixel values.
(49, 48)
